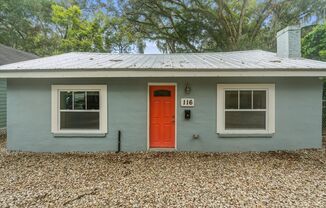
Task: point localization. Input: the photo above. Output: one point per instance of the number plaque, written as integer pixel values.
(187, 102)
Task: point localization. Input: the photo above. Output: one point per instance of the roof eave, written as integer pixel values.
(162, 73)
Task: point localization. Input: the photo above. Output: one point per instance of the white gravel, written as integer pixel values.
(275, 179)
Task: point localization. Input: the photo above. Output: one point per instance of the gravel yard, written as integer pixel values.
(272, 179)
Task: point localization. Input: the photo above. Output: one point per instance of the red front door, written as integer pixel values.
(162, 116)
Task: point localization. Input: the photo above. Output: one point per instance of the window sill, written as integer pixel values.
(88, 135)
(230, 135)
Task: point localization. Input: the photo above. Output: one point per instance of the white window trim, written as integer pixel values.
(55, 109)
(270, 108)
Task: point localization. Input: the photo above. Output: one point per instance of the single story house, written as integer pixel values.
(210, 102)
(7, 56)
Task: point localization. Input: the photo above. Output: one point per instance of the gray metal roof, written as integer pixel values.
(239, 60)
(10, 55)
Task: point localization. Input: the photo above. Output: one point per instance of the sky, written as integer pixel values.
(151, 48)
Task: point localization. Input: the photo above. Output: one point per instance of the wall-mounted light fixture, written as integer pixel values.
(187, 88)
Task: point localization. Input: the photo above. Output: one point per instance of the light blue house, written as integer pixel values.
(214, 102)
(9, 55)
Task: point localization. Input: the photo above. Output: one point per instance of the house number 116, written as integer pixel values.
(187, 102)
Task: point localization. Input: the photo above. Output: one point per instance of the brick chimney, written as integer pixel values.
(289, 42)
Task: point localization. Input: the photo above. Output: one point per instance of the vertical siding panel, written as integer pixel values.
(3, 101)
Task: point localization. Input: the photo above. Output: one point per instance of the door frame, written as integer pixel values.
(149, 84)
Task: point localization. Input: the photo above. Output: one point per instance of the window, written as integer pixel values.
(162, 93)
(79, 109)
(245, 109)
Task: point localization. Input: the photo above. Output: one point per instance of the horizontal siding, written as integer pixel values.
(29, 123)
(3, 103)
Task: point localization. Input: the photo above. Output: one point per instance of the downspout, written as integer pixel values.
(119, 141)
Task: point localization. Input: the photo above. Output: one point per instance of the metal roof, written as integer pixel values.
(10, 55)
(239, 60)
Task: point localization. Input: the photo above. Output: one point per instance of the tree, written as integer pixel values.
(215, 25)
(119, 35)
(25, 25)
(47, 27)
(314, 43)
(76, 33)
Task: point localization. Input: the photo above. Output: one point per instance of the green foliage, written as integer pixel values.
(120, 36)
(216, 25)
(47, 27)
(314, 43)
(24, 24)
(322, 55)
(76, 33)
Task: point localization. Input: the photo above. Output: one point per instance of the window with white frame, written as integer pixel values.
(245, 108)
(79, 109)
